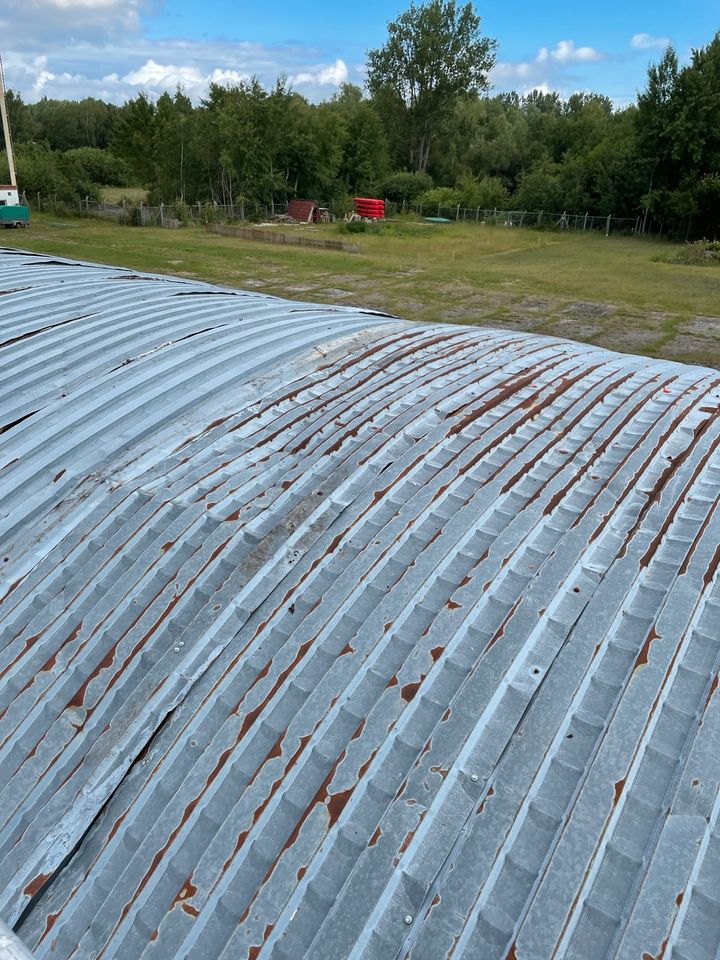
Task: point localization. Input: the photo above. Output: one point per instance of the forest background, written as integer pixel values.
(425, 130)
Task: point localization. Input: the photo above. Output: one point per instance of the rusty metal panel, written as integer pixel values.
(302, 210)
(326, 635)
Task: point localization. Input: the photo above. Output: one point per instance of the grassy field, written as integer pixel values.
(618, 292)
(118, 194)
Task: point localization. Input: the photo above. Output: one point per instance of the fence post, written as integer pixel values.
(124, 206)
(607, 227)
(522, 217)
(457, 213)
(477, 214)
(162, 214)
(539, 220)
(585, 221)
(142, 215)
(438, 213)
(38, 202)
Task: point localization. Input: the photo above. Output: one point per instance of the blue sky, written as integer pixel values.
(115, 48)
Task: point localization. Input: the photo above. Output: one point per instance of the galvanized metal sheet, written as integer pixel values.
(326, 635)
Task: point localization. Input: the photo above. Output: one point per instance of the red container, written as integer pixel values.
(369, 207)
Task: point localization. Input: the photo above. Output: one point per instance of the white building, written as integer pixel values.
(8, 195)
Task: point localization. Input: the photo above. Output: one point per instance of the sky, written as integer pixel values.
(113, 49)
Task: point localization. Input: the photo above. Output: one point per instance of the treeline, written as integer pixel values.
(658, 159)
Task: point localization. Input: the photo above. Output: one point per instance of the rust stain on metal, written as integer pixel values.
(49, 923)
(642, 657)
(491, 791)
(670, 516)
(713, 688)
(501, 629)
(36, 884)
(712, 567)
(619, 787)
(408, 691)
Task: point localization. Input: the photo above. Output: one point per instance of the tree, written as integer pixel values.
(171, 135)
(434, 56)
(364, 155)
(132, 137)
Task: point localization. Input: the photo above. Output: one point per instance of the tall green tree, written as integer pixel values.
(172, 138)
(132, 138)
(435, 54)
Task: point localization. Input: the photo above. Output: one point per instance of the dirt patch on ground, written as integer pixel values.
(703, 326)
(334, 293)
(586, 309)
(574, 329)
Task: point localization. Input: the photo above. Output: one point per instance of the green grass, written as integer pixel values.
(618, 292)
(118, 194)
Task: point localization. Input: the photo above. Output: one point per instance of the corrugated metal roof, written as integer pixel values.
(302, 210)
(329, 636)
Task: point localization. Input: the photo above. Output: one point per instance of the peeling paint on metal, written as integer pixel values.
(291, 595)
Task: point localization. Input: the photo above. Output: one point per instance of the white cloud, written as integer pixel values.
(116, 71)
(565, 51)
(548, 71)
(48, 21)
(333, 75)
(153, 75)
(644, 41)
(227, 77)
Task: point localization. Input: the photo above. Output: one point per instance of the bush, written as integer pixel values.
(440, 197)
(540, 189)
(701, 252)
(488, 194)
(403, 186)
(354, 226)
(96, 166)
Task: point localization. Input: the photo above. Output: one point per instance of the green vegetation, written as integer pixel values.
(427, 132)
(434, 57)
(701, 252)
(617, 292)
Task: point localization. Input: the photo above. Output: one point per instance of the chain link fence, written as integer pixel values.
(543, 219)
(175, 215)
(165, 215)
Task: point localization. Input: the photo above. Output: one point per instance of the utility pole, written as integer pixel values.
(6, 129)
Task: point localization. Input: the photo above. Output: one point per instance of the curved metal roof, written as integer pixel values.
(326, 635)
